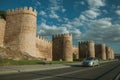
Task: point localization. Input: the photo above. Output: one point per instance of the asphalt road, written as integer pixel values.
(106, 71)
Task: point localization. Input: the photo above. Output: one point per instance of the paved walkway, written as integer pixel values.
(28, 68)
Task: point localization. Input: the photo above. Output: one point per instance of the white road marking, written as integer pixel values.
(47, 77)
(118, 77)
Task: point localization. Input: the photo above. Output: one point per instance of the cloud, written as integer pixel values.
(63, 10)
(75, 22)
(88, 25)
(42, 13)
(78, 3)
(53, 15)
(47, 30)
(76, 34)
(96, 3)
(105, 11)
(117, 12)
(55, 7)
(118, 7)
(83, 18)
(102, 23)
(91, 13)
(36, 3)
(102, 30)
(82, 3)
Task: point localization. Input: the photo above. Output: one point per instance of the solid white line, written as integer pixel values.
(118, 77)
(61, 74)
(47, 77)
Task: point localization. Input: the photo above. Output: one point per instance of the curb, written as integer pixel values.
(30, 68)
(18, 69)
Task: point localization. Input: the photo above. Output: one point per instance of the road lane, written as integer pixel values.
(96, 73)
(101, 72)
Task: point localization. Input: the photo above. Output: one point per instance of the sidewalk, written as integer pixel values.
(28, 68)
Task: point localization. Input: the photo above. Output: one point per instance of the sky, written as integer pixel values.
(97, 20)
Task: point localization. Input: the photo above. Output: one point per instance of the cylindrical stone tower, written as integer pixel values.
(91, 49)
(20, 30)
(57, 47)
(67, 47)
(83, 50)
(108, 53)
(103, 51)
(62, 47)
(113, 56)
(2, 30)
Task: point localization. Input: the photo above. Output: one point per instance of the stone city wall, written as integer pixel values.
(75, 52)
(18, 34)
(44, 48)
(2, 30)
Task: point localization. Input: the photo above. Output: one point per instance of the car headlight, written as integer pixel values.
(90, 63)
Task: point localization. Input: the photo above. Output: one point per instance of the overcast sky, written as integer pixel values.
(97, 20)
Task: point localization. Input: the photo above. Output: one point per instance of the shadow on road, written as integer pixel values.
(73, 78)
(76, 65)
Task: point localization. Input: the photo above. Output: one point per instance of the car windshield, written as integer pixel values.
(89, 58)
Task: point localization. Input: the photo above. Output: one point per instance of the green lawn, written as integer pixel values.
(5, 62)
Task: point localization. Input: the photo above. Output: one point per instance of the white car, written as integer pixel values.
(90, 61)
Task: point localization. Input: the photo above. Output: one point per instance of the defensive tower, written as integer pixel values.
(83, 49)
(113, 56)
(62, 47)
(100, 51)
(103, 51)
(91, 49)
(109, 53)
(86, 49)
(20, 32)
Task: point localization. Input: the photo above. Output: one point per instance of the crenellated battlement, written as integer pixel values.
(100, 44)
(83, 43)
(62, 35)
(86, 42)
(108, 48)
(2, 21)
(75, 46)
(40, 38)
(24, 10)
